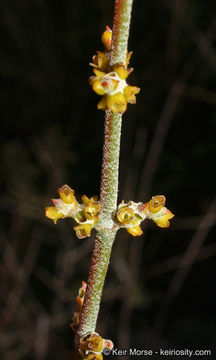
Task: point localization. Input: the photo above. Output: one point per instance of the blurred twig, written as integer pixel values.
(152, 159)
(22, 277)
(185, 266)
(174, 262)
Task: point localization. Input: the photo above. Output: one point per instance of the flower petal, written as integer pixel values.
(125, 215)
(122, 71)
(99, 73)
(102, 105)
(129, 92)
(67, 194)
(156, 203)
(92, 210)
(52, 213)
(98, 87)
(116, 103)
(163, 221)
(135, 230)
(83, 230)
(128, 57)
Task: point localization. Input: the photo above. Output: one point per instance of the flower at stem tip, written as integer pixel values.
(110, 81)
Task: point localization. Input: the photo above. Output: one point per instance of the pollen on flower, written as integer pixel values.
(110, 81)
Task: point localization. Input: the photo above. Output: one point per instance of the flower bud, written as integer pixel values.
(106, 38)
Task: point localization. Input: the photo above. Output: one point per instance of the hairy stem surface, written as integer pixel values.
(106, 232)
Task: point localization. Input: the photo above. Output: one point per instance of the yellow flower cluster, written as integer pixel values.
(132, 214)
(85, 214)
(110, 82)
(128, 216)
(92, 346)
(80, 300)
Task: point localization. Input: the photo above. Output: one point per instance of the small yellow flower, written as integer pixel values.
(125, 215)
(116, 103)
(92, 342)
(156, 211)
(100, 61)
(52, 213)
(130, 92)
(128, 216)
(135, 230)
(67, 194)
(92, 207)
(156, 203)
(122, 71)
(92, 346)
(104, 83)
(83, 230)
(92, 210)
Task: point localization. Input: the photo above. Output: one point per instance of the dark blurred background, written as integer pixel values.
(160, 289)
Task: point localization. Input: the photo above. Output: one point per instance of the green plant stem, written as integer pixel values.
(105, 234)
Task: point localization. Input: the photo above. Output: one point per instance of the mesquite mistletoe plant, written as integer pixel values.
(105, 216)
